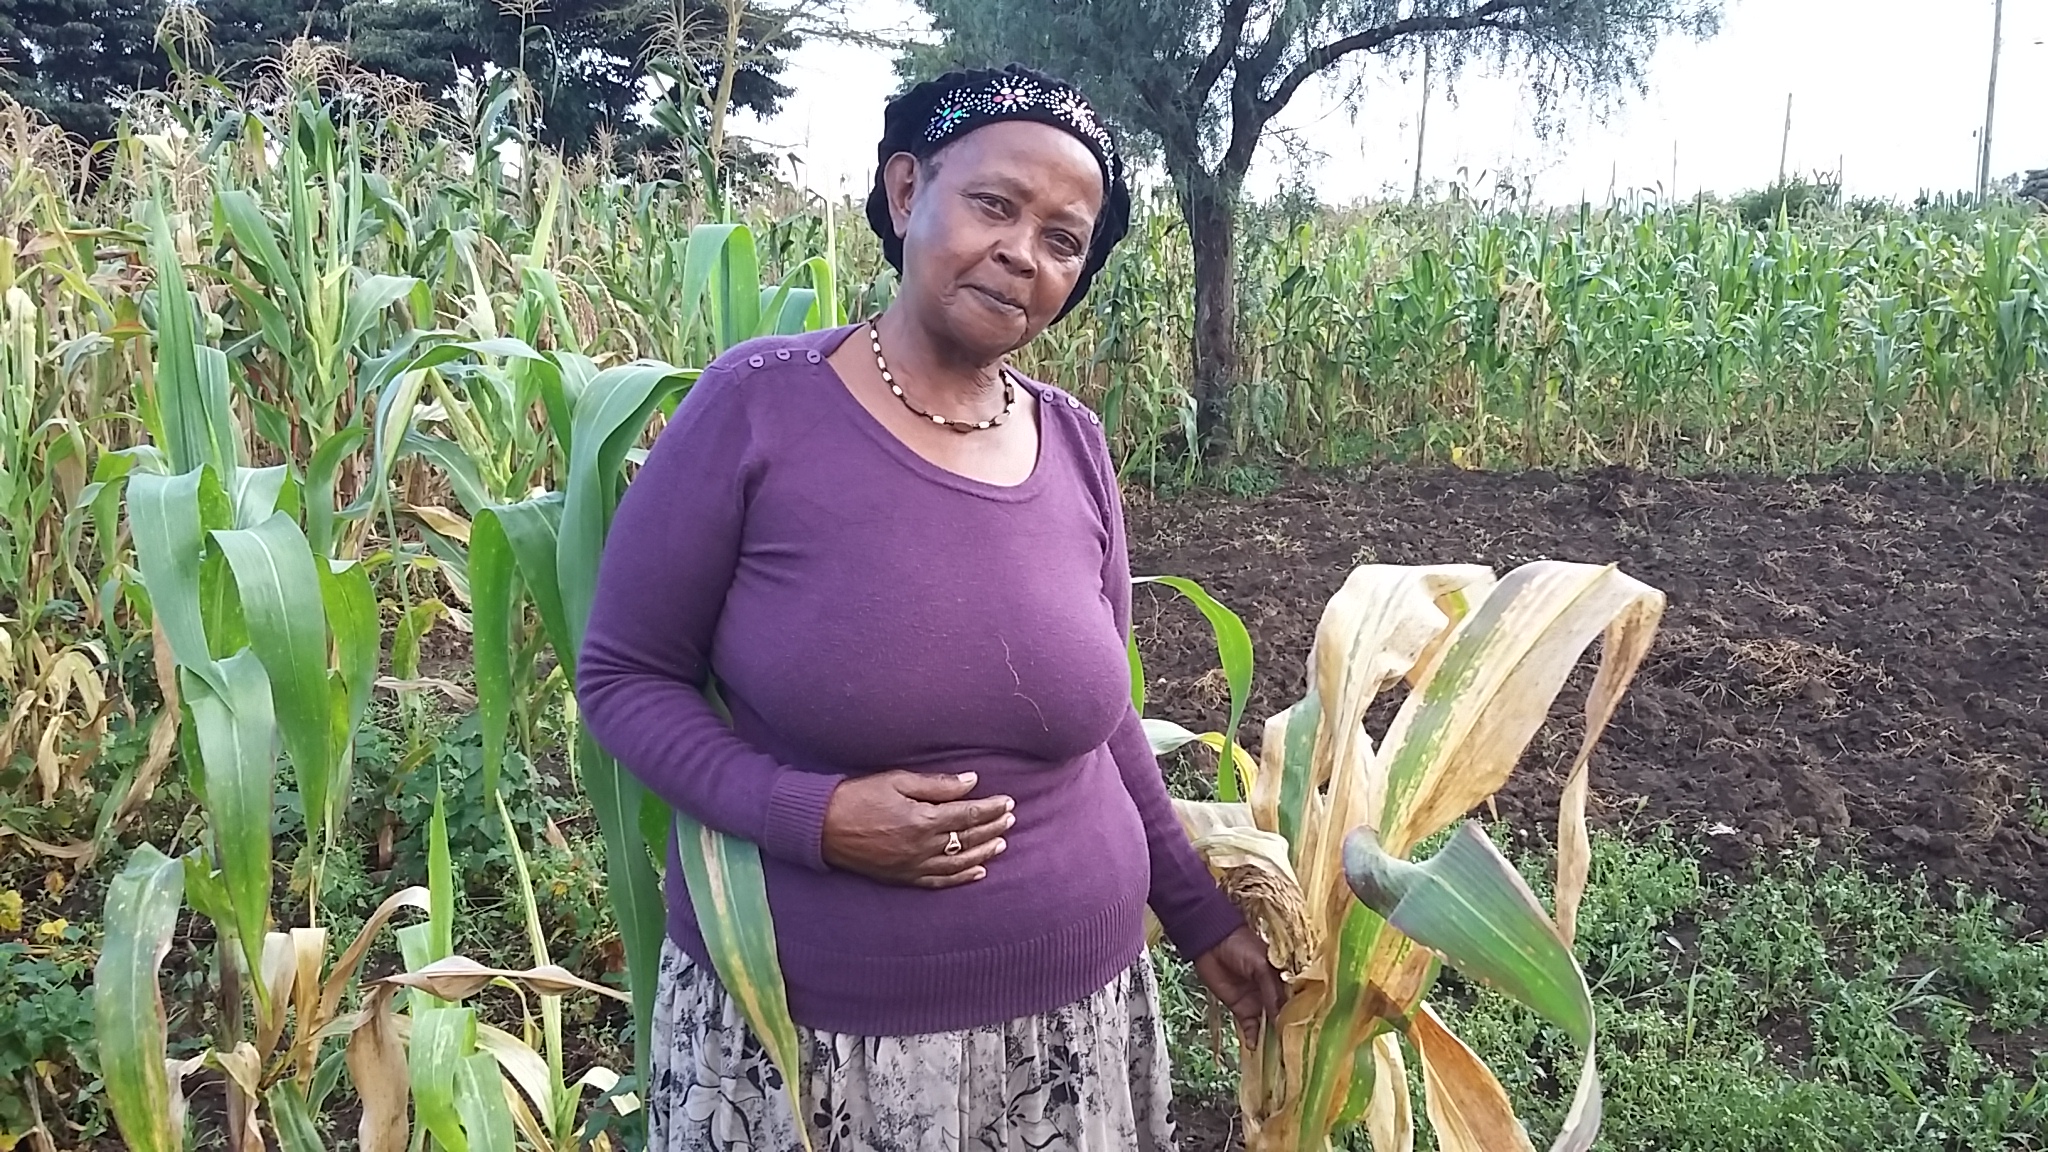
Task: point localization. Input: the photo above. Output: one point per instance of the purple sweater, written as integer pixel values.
(864, 609)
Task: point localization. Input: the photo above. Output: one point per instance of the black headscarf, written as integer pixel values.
(937, 112)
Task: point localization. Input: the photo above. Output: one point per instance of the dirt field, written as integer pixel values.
(1858, 661)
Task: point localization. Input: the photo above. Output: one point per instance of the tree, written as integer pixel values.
(71, 60)
(1201, 80)
(68, 59)
(585, 59)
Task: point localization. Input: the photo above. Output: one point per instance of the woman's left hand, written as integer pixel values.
(1238, 973)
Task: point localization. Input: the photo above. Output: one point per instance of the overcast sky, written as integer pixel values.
(1891, 91)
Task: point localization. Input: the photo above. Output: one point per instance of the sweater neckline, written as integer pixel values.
(904, 454)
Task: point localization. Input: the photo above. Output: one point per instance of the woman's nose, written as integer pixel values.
(1014, 254)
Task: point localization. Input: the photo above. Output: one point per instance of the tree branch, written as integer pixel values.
(1196, 94)
(1174, 123)
(1322, 56)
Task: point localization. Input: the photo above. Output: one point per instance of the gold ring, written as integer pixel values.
(952, 843)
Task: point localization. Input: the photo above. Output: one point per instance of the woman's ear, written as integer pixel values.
(900, 182)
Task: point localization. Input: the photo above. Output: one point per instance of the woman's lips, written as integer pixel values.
(997, 298)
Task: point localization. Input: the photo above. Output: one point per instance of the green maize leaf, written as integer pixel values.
(457, 465)
(657, 821)
(254, 492)
(785, 310)
(505, 348)
(561, 385)
(216, 397)
(413, 627)
(480, 1101)
(824, 288)
(532, 529)
(441, 1039)
(325, 1076)
(275, 330)
(220, 602)
(235, 733)
(611, 416)
(321, 471)
(1343, 1026)
(1470, 906)
(257, 242)
(440, 884)
(1137, 672)
(394, 419)
(1234, 649)
(411, 351)
(351, 606)
(722, 261)
(196, 422)
(450, 558)
(635, 889)
(165, 522)
(544, 225)
(368, 302)
(729, 894)
(100, 501)
(292, 1119)
(492, 601)
(416, 951)
(203, 888)
(128, 1008)
(1297, 780)
(282, 606)
(1364, 1075)
(398, 378)
(1165, 736)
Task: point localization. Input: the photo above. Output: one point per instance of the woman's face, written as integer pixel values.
(995, 228)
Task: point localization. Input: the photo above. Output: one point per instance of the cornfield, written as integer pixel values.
(1643, 335)
(290, 380)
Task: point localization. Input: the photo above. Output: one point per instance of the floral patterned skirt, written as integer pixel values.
(1090, 1077)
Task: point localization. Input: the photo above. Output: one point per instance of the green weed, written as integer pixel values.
(1810, 1007)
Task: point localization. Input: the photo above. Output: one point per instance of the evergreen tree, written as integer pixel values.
(586, 59)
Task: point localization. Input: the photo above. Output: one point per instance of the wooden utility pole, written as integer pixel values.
(1421, 125)
(1990, 103)
(1785, 145)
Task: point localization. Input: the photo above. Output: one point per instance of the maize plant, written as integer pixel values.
(1318, 857)
(276, 643)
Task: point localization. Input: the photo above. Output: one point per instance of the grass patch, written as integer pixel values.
(1809, 1006)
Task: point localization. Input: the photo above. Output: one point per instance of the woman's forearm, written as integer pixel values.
(1194, 912)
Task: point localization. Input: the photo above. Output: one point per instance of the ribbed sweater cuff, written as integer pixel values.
(795, 827)
(1206, 926)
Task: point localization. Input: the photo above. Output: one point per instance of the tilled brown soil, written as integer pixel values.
(1858, 661)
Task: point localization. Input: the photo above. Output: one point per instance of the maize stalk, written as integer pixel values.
(1318, 856)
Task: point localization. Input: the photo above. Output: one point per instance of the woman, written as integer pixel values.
(906, 566)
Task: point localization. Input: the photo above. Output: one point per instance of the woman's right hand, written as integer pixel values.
(895, 827)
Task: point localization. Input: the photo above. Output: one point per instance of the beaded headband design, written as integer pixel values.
(1009, 95)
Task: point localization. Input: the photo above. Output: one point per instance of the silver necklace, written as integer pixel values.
(961, 426)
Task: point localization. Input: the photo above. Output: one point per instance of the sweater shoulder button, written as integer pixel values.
(756, 361)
